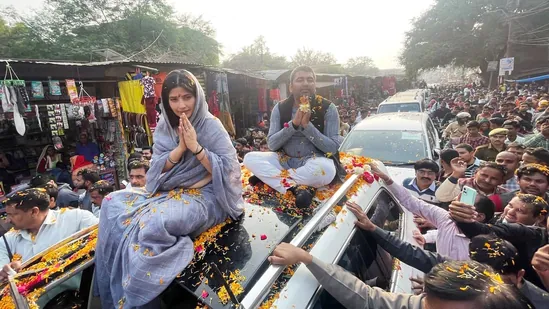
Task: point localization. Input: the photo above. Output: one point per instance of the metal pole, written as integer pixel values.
(490, 81)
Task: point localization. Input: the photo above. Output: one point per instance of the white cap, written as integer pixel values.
(464, 115)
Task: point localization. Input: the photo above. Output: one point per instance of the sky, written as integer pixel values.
(345, 28)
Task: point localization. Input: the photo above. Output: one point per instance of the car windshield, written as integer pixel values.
(390, 147)
(398, 108)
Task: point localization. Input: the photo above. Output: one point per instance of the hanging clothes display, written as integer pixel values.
(149, 99)
(131, 94)
(225, 103)
(213, 106)
(274, 95)
(15, 97)
(262, 99)
(158, 81)
(219, 104)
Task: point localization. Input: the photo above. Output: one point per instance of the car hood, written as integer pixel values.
(398, 174)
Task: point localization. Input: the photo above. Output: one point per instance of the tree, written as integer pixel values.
(310, 57)
(141, 30)
(256, 57)
(20, 40)
(464, 33)
(361, 66)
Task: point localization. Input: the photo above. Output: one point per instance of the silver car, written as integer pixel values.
(397, 139)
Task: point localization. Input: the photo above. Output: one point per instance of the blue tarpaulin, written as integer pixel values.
(532, 79)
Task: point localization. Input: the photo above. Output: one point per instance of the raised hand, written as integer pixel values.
(363, 222)
(462, 212)
(189, 134)
(458, 166)
(298, 117)
(306, 118)
(286, 254)
(180, 133)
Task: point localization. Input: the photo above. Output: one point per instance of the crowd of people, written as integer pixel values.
(492, 254)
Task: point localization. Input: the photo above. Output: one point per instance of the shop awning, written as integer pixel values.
(531, 79)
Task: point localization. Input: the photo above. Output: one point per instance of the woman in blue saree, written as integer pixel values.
(193, 184)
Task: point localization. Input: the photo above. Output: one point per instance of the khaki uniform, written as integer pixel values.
(487, 153)
(454, 130)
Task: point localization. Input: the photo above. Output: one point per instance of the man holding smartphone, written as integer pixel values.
(486, 181)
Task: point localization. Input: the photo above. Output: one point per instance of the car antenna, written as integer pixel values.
(226, 285)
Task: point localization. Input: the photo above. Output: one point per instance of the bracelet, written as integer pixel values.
(204, 156)
(197, 153)
(170, 160)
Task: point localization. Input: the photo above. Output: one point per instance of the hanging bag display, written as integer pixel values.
(15, 94)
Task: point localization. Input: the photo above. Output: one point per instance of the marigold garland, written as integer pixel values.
(48, 268)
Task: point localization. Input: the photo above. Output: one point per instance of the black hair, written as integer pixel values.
(536, 203)
(90, 176)
(135, 156)
(263, 142)
(29, 198)
(53, 191)
(467, 147)
(462, 281)
(472, 281)
(485, 206)
(177, 78)
(513, 123)
(102, 187)
(137, 164)
(495, 252)
(541, 154)
(61, 165)
(473, 124)
(497, 120)
(242, 141)
(40, 181)
(301, 68)
(146, 148)
(502, 169)
(427, 164)
(515, 145)
(447, 155)
(531, 169)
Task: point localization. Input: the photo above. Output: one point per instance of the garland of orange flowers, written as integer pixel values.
(81, 249)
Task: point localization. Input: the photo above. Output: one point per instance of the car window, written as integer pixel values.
(398, 108)
(363, 257)
(390, 147)
(432, 134)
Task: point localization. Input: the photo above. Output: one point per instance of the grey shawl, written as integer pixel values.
(144, 236)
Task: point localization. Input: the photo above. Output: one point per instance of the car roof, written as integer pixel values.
(394, 122)
(408, 96)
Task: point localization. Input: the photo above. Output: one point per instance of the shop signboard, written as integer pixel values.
(492, 66)
(506, 65)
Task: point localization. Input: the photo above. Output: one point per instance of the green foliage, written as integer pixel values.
(256, 57)
(150, 30)
(464, 33)
(310, 57)
(361, 66)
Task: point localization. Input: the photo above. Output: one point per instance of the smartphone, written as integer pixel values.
(468, 195)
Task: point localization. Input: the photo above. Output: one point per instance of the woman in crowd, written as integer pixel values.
(193, 183)
(48, 159)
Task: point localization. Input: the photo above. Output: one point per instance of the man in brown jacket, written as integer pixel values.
(449, 285)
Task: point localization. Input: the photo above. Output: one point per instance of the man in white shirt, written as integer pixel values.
(36, 228)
